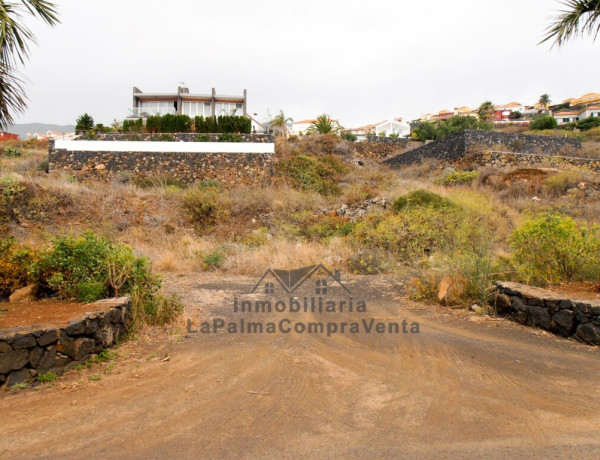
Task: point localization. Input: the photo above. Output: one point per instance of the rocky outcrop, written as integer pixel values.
(28, 351)
(558, 313)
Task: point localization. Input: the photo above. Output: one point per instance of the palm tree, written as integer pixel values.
(580, 18)
(324, 125)
(15, 38)
(279, 123)
(486, 111)
(545, 101)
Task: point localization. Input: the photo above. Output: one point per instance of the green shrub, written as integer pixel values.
(158, 180)
(551, 248)
(133, 126)
(43, 166)
(48, 377)
(319, 174)
(223, 124)
(202, 138)
(421, 198)
(588, 123)
(541, 122)
(351, 137)
(457, 178)
(207, 204)
(428, 130)
(12, 152)
(212, 261)
(15, 261)
(230, 137)
(12, 197)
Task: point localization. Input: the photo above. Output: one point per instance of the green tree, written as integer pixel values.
(516, 115)
(15, 39)
(486, 111)
(84, 123)
(581, 17)
(279, 123)
(545, 101)
(542, 121)
(324, 125)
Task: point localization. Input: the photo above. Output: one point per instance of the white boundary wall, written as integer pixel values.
(166, 147)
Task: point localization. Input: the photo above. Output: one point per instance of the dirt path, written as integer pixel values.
(464, 387)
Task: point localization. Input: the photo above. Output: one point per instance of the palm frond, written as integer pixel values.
(12, 95)
(581, 17)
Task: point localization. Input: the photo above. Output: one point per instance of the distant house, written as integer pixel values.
(570, 116)
(397, 127)
(503, 112)
(300, 127)
(185, 103)
(4, 136)
(51, 135)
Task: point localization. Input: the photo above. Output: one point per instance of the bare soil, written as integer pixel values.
(51, 313)
(464, 387)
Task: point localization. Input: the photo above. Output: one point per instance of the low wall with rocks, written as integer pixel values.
(28, 351)
(228, 168)
(458, 145)
(558, 313)
(181, 137)
(380, 148)
(529, 160)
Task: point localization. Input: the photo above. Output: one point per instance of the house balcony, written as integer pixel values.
(143, 112)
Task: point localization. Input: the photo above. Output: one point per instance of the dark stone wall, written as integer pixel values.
(181, 137)
(28, 351)
(227, 168)
(380, 148)
(459, 144)
(558, 313)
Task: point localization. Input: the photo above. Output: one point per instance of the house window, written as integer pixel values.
(269, 288)
(228, 109)
(193, 109)
(321, 287)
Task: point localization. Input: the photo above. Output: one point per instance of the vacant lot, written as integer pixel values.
(465, 386)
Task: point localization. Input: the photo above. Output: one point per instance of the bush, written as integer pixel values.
(551, 248)
(230, 137)
(319, 174)
(14, 266)
(421, 198)
(12, 152)
(541, 122)
(12, 196)
(43, 166)
(202, 138)
(223, 124)
(558, 184)
(89, 268)
(212, 261)
(133, 126)
(457, 177)
(351, 137)
(207, 204)
(84, 123)
(437, 130)
(588, 123)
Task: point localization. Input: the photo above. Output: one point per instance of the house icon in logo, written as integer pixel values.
(290, 280)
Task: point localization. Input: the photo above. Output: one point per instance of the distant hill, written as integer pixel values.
(24, 128)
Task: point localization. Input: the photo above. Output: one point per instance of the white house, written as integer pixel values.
(301, 126)
(396, 126)
(592, 111)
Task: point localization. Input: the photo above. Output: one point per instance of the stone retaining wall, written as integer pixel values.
(228, 168)
(528, 160)
(28, 351)
(181, 137)
(558, 313)
(458, 145)
(380, 148)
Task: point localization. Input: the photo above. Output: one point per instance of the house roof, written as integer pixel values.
(559, 114)
(304, 122)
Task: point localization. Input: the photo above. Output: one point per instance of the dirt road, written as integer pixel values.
(463, 387)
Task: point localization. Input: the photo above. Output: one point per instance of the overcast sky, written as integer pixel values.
(358, 61)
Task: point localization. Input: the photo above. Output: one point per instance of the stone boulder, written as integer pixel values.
(26, 294)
